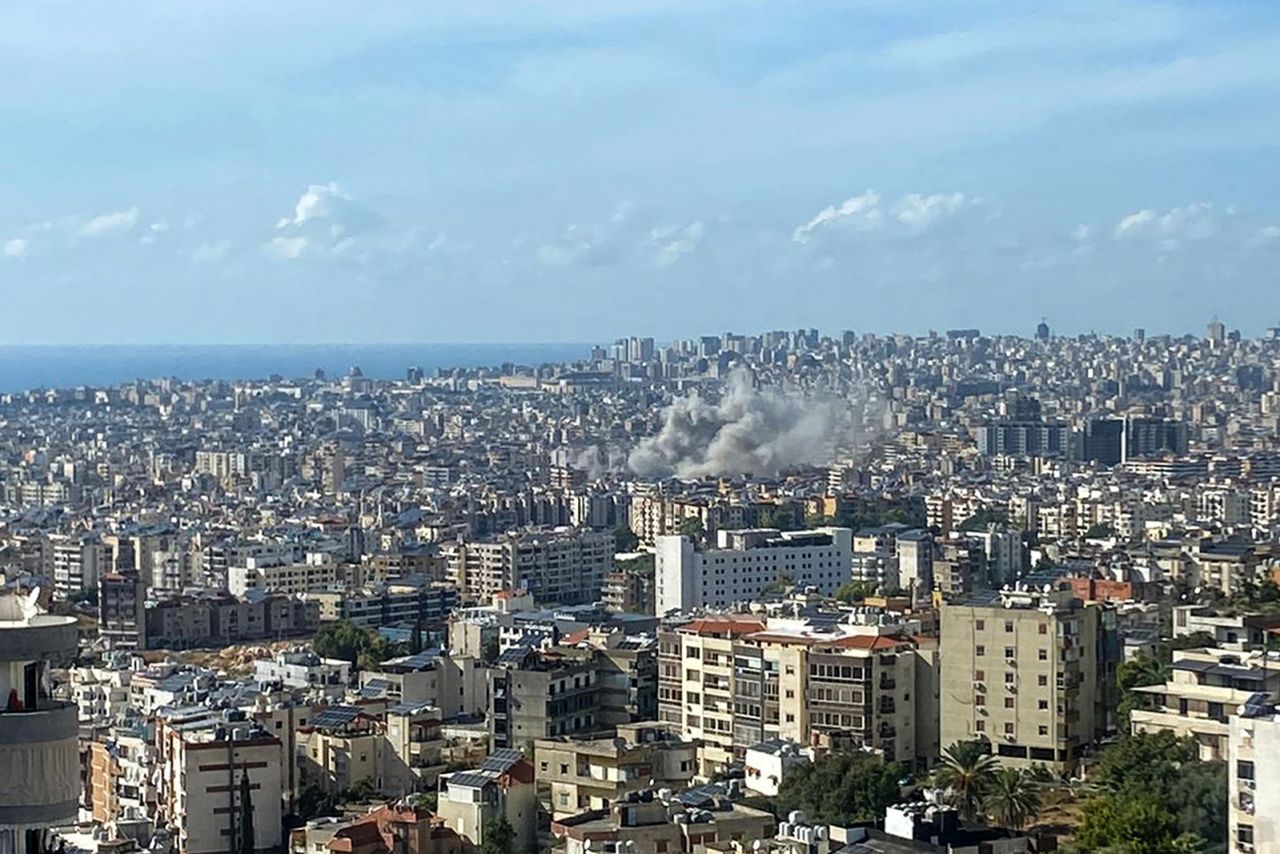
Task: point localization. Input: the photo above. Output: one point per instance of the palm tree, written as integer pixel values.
(1012, 799)
(966, 773)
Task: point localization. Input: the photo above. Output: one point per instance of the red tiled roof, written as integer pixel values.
(723, 625)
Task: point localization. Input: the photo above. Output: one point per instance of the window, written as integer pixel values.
(1010, 652)
(1244, 769)
(980, 625)
(1008, 702)
(979, 700)
(1044, 628)
(1043, 705)
(1044, 730)
(1044, 655)
(791, 719)
(1008, 625)
(1008, 678)
(1008, 728)
(980, 651)
(979, 676)
(1043, 680)
(979, 726)
(564, 768)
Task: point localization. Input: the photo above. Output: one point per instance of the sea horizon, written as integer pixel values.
(25, 367)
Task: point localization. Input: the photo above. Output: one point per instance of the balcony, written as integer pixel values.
(888, 683)
(51, 720)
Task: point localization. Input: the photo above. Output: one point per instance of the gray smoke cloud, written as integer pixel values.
(598, 461)
(761, 431)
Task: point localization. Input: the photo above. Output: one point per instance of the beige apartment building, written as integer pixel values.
(732, 682)
(1029, 671)
(1205, 688)
(592, 773)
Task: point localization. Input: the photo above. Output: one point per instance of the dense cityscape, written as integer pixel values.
(789, 592)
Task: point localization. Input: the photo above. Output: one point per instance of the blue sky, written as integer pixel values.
(538, 171)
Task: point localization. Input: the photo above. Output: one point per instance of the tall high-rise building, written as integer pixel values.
(39, 756)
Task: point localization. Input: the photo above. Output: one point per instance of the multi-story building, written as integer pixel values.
(539, 695)
(77, 562)
(1205, 688)
(504, 786)
(201, 766)
(317, 572)
(745, 564)
(732, 682)
(1030, 671)
(1253, 778)
(39, 757)
(592, 773)
(122, 621)
(564, 565)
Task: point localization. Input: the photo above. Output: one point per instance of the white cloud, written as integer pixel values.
(287, 248)
(672, 242)
(860, 212)
(919, 213)
(1188, 222)
(1083, 232)
(108, 223)
(211, 253)
(912, 213)
(325, 220)
(15, 248)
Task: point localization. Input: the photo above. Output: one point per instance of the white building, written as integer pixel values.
(747, 563)
(1253, 791)
(305, 669)
(318, 572)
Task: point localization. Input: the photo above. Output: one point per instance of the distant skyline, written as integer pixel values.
(235, 172)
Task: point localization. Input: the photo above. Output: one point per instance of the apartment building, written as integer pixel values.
(538, 695)
(1205, 688)
(745, 564)
(122, 621)
(77, 561)
(504, 786)
(1029, 670)
(317, 572)
(592, 773)
(564, 565)
(198, 793)
(733, 682)
(1253, 778)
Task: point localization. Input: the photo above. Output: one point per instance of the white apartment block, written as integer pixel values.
(1254, 780)
(564, 565)
(318, 572)
(747, 563)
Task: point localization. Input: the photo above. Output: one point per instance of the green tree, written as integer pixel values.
(1012, 798)
(843, 788)
(855, 591)
(1198, 798)
(984, 517)
(1134, 823)
(500, 838)
(967, 772)
(1100, 531)
(1138, 672)
(343, 639)
(1144, 762)
(246, 835)
(692, 527)
(624, 539)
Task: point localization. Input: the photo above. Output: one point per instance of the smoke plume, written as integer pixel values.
(748, 431)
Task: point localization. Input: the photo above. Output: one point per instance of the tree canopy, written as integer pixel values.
(1158, 796)
(843, 788)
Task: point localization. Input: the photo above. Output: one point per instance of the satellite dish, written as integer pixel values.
(31, 605)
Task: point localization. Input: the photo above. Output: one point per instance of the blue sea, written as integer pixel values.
(28, 367)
